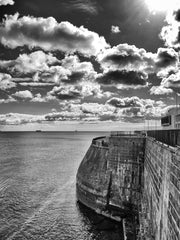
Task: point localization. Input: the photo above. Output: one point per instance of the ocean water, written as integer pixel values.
(37, 188)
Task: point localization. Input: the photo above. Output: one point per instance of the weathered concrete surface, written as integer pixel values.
(160, 213)
(117, 176)
(109, 177)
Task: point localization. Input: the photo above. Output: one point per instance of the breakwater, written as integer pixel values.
(109, 178)
(130, 176)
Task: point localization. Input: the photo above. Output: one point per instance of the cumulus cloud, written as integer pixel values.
(84, 112)
(6, 2)
(166, 57)
(130, 58)
(6, 82)
(160, 90)
(45, 69)
(17, 119)
(23, 95)
(136, 109)
(124, 56)
(30, 63)
(66, 93)
(131, 102)
(172, 82)
(152, 111)
(38, 98)
(49, 35)
(82, 90)
(171, 33)
(92, 112)
(125, 102)
(115, 29)
(7, 100)
(131, 109)
(122, 79)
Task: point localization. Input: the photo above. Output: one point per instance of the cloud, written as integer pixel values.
(172, 82)
(38, 98)
(45, 70)
(7, 100)
(126, 57)
(123, 79)
(115, 29)
(17, 119)
(6, 2)
(84, 112)
(49, 35)
(170, 34)
(166, 57)
(133, 109)
(35, 84)
(66, 93)
(125, 102)
(96, 108)
(6, 82)
(91, 112)
(130, 58)
(160, 90)
(82, 90)
(23, 95)
(86, 6)
(30, 63)
(153, 110)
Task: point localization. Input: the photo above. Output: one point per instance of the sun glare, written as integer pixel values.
(161, 5)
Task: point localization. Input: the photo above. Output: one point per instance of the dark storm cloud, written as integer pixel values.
(127, 78)
(49, 35)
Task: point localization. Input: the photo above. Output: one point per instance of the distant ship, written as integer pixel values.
(38, 130)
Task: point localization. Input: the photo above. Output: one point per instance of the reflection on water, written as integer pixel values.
(37, 188)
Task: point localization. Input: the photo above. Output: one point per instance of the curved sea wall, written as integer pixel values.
(129, 175)
(109, 178)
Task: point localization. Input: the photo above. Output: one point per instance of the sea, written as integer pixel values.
(38, 188)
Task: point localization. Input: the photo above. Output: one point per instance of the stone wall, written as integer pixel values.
(160, 212)
(126, 162)
(110, 177)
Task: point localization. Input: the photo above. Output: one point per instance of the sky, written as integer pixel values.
(88, 64)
